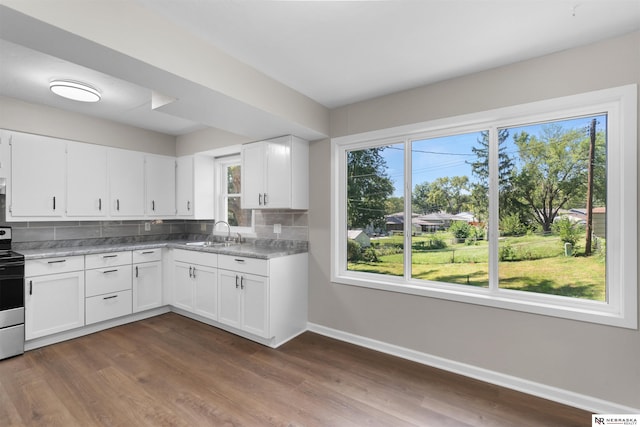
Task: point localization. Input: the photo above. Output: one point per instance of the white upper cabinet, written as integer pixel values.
(38, 171)
(275, 174)
(126, 183)
(194, 187)
(160, 181)
(86, 180)
(5, 155)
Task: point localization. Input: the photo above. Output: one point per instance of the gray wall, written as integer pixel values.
(42, 120)
(593, 360)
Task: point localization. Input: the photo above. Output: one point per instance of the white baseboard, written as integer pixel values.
(587, 403)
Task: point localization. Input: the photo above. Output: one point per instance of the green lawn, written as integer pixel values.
(531, 263)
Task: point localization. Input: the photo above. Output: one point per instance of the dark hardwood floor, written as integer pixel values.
(173, 371)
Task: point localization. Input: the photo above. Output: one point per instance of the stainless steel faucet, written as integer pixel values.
(228, 239)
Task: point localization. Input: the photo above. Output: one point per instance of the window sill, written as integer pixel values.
(546, 305)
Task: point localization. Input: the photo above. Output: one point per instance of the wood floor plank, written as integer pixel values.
(173, 371)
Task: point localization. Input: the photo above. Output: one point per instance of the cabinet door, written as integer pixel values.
(126, 183)
(183, 286)
(5, 154)
(86, 180)
(53, 303)
(160, 181)
(255, 304)
(147, 286)
(253, 175)
(278, 175)
(184, 186)
(38, 168)
(206, 291)
(229, 298)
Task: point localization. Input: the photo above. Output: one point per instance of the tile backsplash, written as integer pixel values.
(294, 226)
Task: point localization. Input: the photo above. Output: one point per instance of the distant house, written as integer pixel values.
(579, 216)
(429, 223)
(395, 224)
(360, 237)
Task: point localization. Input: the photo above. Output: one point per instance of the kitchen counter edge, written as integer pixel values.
(246, 250)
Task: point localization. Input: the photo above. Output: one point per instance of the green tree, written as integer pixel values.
(368, 188)
(394, 205)
(480, 169)
(553, 172)
(448, 194)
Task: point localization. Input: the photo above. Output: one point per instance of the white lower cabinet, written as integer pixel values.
(195, 283)
(108, 306)
(147, 279)
(108, 288)
(54, 295)
(243, 301)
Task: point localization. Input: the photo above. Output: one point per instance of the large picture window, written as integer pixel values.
(531, 208)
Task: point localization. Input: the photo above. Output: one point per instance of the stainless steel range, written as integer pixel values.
(11, 298)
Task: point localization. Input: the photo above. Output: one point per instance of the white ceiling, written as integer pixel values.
(337, 52)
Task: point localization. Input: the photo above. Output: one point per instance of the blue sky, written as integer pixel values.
(447, 156)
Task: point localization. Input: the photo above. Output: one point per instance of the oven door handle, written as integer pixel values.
(7, 264)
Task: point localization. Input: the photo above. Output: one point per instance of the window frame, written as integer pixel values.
(220, 167)
(620, 309)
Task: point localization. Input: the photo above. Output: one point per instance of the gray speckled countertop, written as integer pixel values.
(261, 250)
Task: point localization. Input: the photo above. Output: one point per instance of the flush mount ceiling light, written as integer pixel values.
(76, 91)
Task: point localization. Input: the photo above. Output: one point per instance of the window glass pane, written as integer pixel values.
(233, 180)
(552, 208)
(236, 216)
(449, 209)
(375, 202)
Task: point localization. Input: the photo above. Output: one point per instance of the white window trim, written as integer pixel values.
(220, 165)
(620, 310)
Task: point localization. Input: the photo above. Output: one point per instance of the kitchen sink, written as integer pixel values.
(198, 243)
(210, 244)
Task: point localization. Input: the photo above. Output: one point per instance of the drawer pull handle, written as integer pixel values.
(109, 256)
(190, 273)
(238, 260)
(57, 261)
(111, 297)
(100, 204)
(148, 252)
(30, 287)
(136, 271)
(109, 271)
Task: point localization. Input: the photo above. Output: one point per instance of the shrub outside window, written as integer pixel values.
(531, 207)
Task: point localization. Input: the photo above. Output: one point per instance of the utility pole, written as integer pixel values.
(592, 149)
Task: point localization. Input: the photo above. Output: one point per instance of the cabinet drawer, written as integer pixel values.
(194, 257)
(39, 267)
(244, 264)
(147, 255)
(105, 280)
(108, 259)
(104, 307)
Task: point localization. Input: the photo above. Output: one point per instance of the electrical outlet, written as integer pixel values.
(147, 226)
(277, 228)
